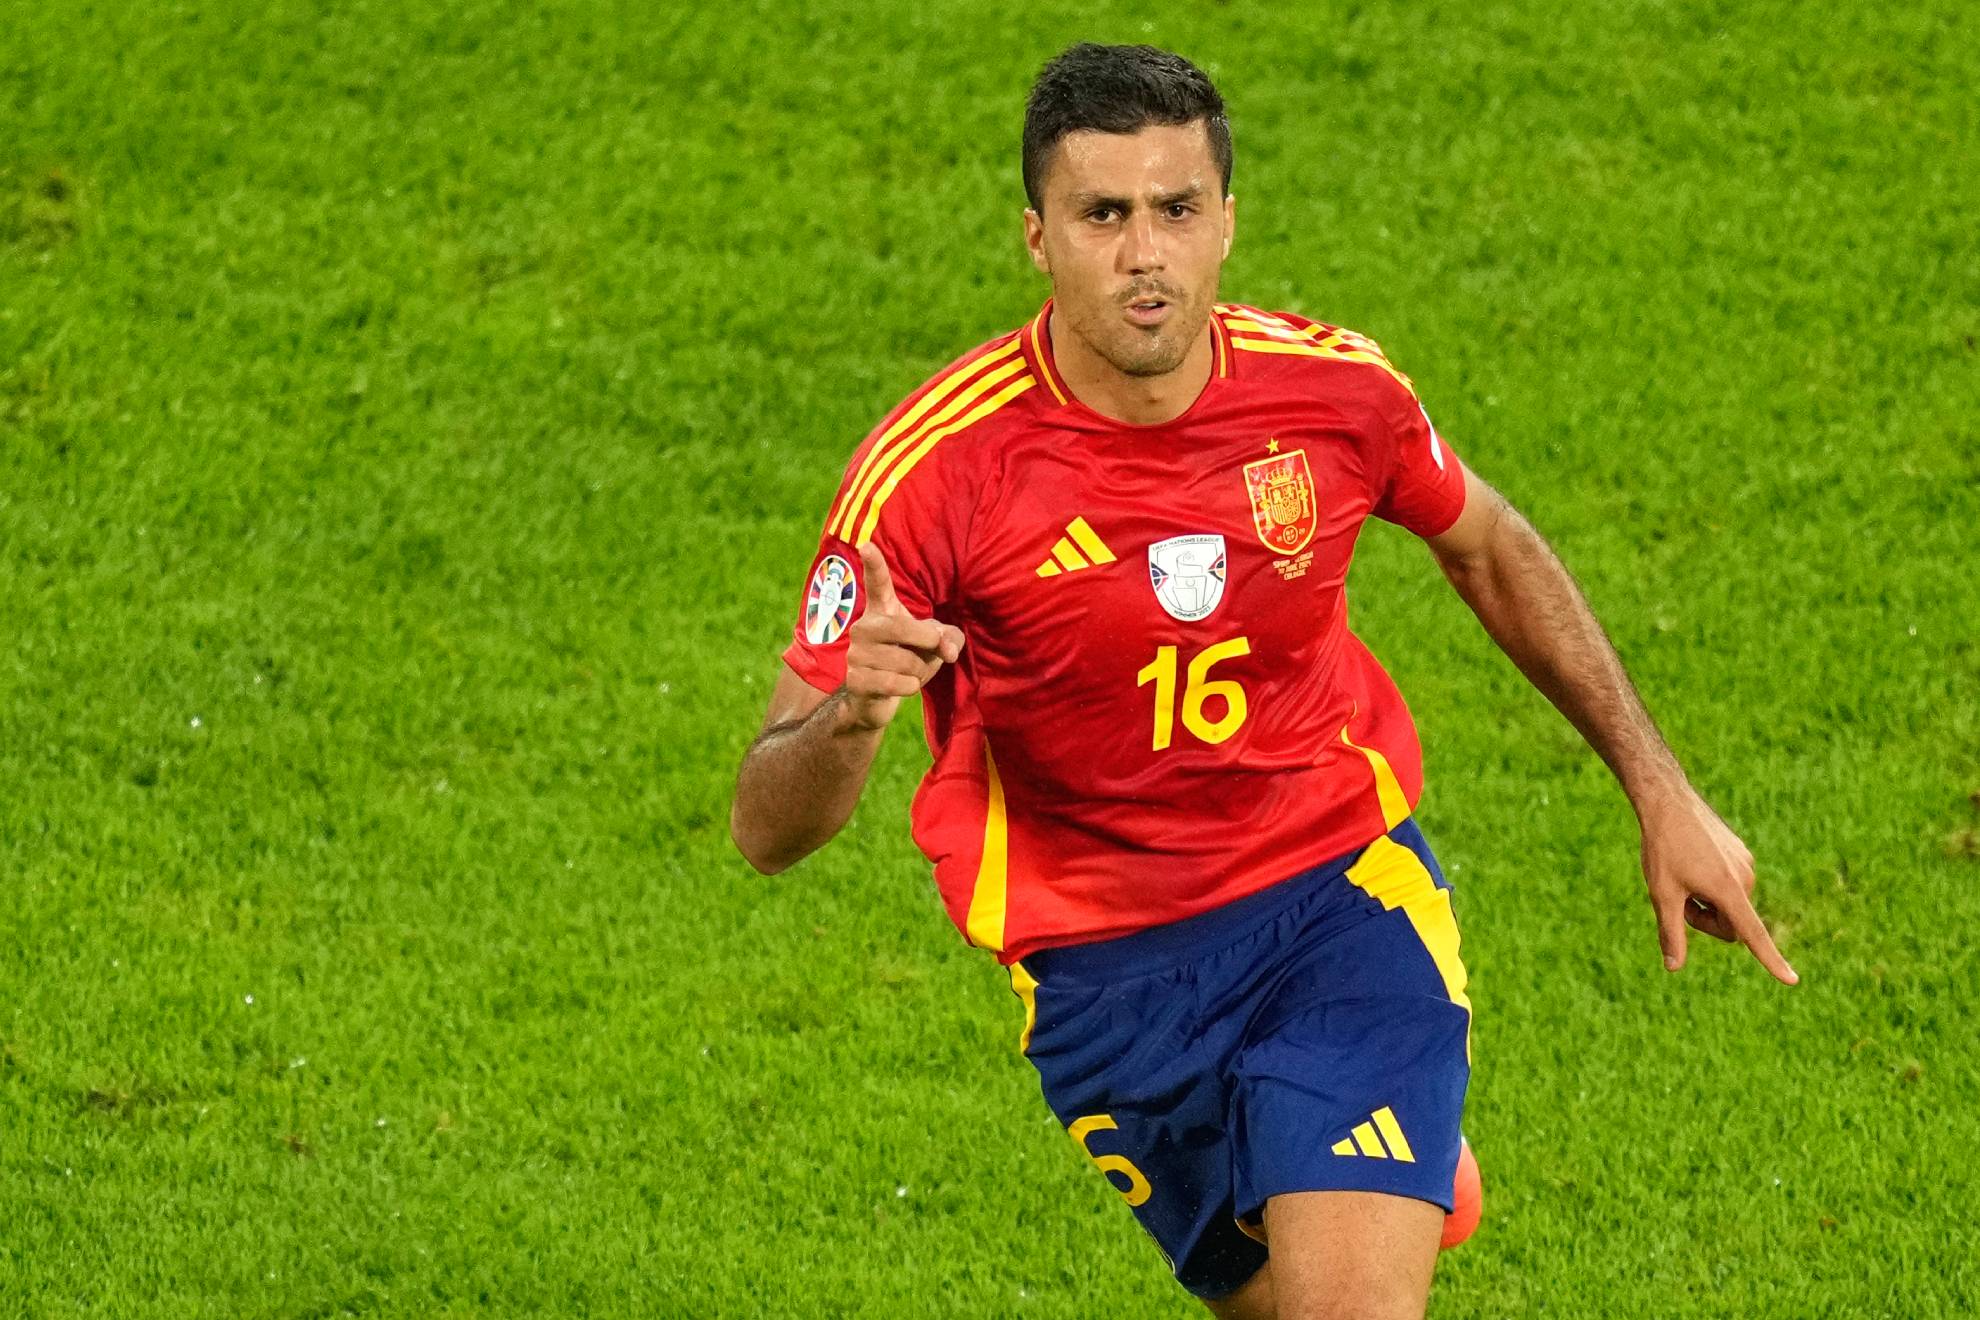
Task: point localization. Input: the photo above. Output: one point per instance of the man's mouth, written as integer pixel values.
(1149, 310)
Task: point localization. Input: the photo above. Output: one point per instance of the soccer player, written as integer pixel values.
(1171, 790)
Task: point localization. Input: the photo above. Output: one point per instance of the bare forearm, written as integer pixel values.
(798, 785)
(1697, 871)
(801, 778)
(1532, 608)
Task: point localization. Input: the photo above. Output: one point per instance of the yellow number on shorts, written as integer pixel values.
(1161, 671)
(1137, 1189)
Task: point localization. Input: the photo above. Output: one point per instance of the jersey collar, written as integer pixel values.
(1037, 338)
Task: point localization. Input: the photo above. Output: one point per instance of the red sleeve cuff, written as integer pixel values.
(1444, 519)
(824, 670)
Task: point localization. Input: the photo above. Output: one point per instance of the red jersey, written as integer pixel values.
(1159, 708)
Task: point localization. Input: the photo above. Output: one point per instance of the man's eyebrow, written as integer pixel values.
(1189, 194)
(1086, 201)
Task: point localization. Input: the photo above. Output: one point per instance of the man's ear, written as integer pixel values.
(1034, 241)
(1230, 221)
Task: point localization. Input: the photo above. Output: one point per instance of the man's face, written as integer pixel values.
(1135, 232)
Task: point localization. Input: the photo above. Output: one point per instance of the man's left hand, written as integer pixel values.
(1700, 874)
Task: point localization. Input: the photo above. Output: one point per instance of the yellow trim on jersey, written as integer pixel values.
(1283, 336)
(937, 394)
(882, 456)
(1089, 541)
(1388, 789)
(1370, 1144)
(1311, 336)
(1025, 986)
(985, 926)
(1315, 350)
(1396, 877)
(1345, 341)
(933, 438)
(1045, 369)
(1239, 318)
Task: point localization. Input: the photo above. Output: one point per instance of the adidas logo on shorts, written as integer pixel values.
(1380, 1138)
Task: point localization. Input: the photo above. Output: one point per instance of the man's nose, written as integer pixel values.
(1141, 249)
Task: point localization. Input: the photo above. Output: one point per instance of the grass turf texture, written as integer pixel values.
(415, 431)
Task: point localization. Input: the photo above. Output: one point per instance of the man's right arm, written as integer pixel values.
(801, 778)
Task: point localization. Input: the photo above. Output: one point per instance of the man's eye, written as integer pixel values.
(1177, 210)
(1101, 213)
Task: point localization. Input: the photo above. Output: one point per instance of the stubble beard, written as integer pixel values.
(1143, 356)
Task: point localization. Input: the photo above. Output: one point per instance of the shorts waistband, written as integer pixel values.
(1160, 947)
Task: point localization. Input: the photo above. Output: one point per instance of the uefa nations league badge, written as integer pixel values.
(1187, 573)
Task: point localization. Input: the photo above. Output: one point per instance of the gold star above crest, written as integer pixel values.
(1271, 446)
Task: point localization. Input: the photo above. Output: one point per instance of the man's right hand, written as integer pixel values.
(891, 654)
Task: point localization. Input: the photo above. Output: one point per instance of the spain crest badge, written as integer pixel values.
(1282, 508)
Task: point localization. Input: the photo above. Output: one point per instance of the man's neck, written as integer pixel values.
(1135, 400)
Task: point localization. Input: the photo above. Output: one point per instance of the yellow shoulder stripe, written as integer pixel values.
(932, 438)
(939, 394)
(1321, 350)
(883, 455)
(1251, 317)
(1345, 345)
(1313, 334)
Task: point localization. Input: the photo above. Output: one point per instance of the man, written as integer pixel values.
(1171, 790)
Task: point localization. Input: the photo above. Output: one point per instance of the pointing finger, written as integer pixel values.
(1753, 933)
(951, 645)
(879, 582)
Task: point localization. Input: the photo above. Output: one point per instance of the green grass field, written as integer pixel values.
(415, 432)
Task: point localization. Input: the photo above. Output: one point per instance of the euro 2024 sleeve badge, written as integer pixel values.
(828, 605)
(1187, 573)
(1282, 508)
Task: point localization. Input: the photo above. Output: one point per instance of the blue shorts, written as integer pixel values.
(1310, 1037)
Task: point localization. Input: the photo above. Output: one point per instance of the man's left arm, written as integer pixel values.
(1697, 869)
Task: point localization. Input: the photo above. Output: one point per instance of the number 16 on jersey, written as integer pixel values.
(1198, 688)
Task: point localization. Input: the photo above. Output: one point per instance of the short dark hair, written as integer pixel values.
(1117, 89)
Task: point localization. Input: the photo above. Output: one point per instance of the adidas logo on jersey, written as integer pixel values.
(1081, 547)
(1380, 1137)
